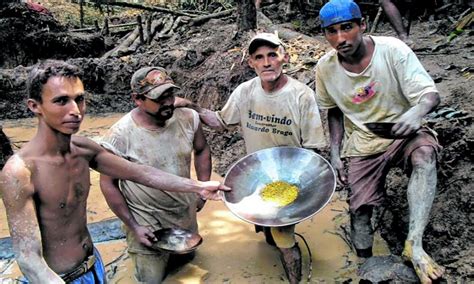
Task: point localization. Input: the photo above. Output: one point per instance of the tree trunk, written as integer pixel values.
(81, 12)
(247, 15)
(140, 29)
(202, 19)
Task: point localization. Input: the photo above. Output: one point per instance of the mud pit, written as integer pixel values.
(208, 64)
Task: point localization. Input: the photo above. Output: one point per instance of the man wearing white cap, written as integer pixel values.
(156, 134)
(273, 109)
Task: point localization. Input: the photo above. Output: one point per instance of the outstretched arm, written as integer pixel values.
(207, 116)
(119, 168)
(411, 120)
(336, 132)
(117, 203)
(17, 190)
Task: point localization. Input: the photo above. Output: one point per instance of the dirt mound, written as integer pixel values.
(28, 35)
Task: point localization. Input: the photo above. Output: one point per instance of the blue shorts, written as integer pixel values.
(95, 275)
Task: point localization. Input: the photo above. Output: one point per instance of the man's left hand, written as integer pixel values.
(144, 235)
(408, 123)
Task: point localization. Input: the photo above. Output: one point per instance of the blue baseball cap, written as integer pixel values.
(337, 11)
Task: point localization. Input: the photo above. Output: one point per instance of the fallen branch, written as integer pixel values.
(167, 27)
(444, 7)
(376, 20)
(283, 32)
(149, 8)
(176, 23)
(202, 19)
(123, 46)
(196, 12)
(156, 25)
(110, 27)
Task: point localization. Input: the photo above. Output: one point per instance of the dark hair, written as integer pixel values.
(140, 97)
(41, 72)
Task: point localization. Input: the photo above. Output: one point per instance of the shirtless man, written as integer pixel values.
(378, 79)
(45, 185)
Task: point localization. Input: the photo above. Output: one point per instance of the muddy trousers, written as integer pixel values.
(362, 233)
(292, 262)
(153, 268)
(290, 255)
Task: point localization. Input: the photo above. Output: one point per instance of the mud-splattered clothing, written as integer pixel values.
(169, 149)
(393, 82)
(366, 175)
(287, 117)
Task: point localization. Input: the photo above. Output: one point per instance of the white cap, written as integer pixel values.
(264, 39)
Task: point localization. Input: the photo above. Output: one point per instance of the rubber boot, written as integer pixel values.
(291, 260)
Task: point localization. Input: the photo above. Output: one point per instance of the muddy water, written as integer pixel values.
(231, 251)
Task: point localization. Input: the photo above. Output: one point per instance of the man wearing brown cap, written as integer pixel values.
(273, 110)
(155, 134)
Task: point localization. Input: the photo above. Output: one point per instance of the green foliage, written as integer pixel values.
(68, 13)
(206, 5)
(296, 24)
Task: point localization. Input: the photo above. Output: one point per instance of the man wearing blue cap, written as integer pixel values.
(378, 79)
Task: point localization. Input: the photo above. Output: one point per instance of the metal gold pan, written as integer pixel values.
(310, 172)
(176, 240)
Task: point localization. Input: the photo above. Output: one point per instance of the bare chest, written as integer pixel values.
(61, 187)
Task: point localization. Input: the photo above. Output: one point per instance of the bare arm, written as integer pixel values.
(202, 156)
(17, 189)
(411, 120)
(336, 133)
(202, 160)
(117, 203)
(207, 116)
(119, 168)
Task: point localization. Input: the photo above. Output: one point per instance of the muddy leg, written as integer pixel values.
(291, 260)
(362, 233)
(421, 192)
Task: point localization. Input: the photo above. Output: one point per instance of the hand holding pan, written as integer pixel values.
(383, 130)
(176, 240)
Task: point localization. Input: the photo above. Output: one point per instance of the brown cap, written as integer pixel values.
(151, 82)
(264, 39)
